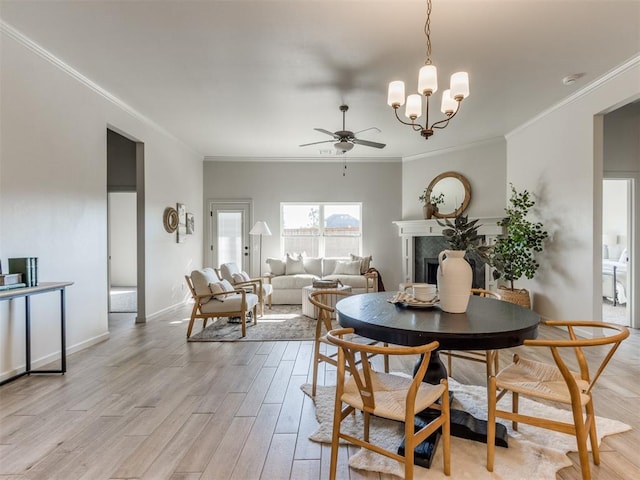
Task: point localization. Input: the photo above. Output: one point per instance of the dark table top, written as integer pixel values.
(487, 324)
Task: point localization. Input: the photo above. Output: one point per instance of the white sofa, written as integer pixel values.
(289, 275)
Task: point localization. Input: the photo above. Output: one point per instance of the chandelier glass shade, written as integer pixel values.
(427, 86)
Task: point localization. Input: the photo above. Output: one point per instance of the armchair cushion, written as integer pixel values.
(231, 303)
(201, 280)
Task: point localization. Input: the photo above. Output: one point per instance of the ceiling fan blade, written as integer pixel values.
(367, 129)
(327, 132)
(315, 143)
(367, 143)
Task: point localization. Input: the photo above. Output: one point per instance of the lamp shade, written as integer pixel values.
(260, 228)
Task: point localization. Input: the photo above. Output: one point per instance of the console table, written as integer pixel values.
(27, 293)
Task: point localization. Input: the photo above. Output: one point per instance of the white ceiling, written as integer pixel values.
(253, 78)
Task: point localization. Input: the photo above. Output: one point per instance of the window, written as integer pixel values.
(322, 229)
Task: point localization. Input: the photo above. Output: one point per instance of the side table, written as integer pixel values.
(310, 310)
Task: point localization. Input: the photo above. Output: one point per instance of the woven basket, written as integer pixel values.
(519, 297)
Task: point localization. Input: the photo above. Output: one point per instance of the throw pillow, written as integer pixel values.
(312, 265)
(237, 277)
(217, 288)
(294, 265)
(246, 276)
(347, 268)
(364, 262)
(276, 265)
(226, 286)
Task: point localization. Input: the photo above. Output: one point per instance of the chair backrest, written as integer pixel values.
(617, 334)
(481, 292)
(354, 354)
(227, 270)
(319, 298)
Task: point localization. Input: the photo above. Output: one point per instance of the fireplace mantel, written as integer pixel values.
(425, 228)
(409, 229)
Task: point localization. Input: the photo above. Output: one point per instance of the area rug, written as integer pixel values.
(533, 453)
(281, 323)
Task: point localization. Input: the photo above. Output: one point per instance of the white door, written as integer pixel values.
(229, 234)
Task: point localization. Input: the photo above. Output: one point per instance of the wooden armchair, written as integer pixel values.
(557, 383)
(261, 286)
(206, 305)
(388, 396)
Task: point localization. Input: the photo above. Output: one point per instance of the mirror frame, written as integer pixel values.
(467, 193)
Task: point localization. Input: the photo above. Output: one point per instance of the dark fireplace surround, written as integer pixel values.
(425, 261)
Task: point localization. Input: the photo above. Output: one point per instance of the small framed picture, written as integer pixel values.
(181, 232)
(191, 224)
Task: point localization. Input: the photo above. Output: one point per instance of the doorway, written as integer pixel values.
(229, 233)
(617, 223)
(125, 229)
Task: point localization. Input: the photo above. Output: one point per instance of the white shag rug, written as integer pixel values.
(533, 453)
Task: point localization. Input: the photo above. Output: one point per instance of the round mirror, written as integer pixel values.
(454, 192)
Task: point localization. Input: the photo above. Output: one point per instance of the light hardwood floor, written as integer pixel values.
(146, 404)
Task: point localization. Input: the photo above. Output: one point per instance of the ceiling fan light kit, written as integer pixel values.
(346, 139)
(427, 86)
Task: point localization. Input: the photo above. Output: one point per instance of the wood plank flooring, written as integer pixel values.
(146, 404)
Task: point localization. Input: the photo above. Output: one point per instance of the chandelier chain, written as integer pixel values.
(427, 32)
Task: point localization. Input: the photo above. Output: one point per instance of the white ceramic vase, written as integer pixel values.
(454, 281)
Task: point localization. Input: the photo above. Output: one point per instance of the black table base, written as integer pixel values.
(463, 424)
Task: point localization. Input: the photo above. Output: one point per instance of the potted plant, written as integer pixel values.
(430, 203)
(513, 255)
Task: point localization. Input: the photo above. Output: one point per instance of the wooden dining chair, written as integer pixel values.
(489, 357)
(389, 396)
(556, 383)
(320, 299)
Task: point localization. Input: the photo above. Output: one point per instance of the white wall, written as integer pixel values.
(558, 156)
(377, 185)
(483, 164)
(53, 201)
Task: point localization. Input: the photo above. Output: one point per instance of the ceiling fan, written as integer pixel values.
(345, 138)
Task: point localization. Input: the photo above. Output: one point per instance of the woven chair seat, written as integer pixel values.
(391, 395)
(539, 380)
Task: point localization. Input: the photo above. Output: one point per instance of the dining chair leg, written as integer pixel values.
(409, 451)
(581, 438)
(446, 432)
(491, 422)
(591, 418)
(514, 408)
(316, 364)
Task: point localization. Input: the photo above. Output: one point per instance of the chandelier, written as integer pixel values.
(427, 86)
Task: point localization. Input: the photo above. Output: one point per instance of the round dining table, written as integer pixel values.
(487, 324)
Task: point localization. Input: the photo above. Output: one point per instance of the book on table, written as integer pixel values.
(28, 267)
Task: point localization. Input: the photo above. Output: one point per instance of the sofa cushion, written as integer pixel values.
(294, 265)
(365, 262)
(277, 266)
(201, 280)
(347, 268)
(288, 282)
(312, 265)
(354, 281)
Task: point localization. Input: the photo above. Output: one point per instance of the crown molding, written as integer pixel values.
(328, 159)
(457, 148)
(26, 42)
(633, 62)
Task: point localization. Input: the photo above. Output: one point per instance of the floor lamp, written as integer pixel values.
(260, 228)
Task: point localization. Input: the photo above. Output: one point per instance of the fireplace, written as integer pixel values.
(425, 268)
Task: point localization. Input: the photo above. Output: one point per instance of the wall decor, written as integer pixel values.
(170, 219)
(181, 234)
(191, 224)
